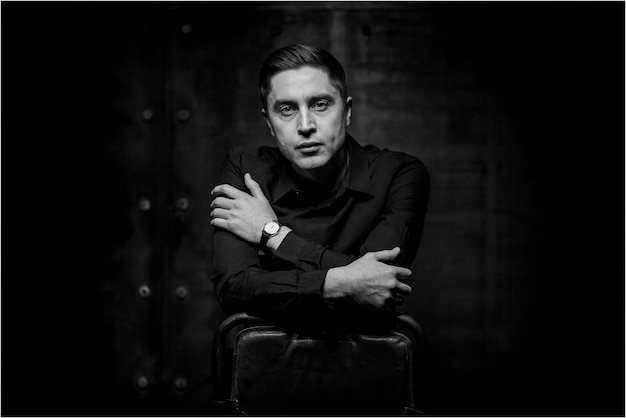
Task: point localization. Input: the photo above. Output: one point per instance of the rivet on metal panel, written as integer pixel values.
(182, 203)
(180, 383)
(186, 28)
(144, 204)
(183, 115)
(144, 291)
(181, 292)
(147, 115)
(142, 382)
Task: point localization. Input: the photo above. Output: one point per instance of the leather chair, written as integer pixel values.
(276, 370)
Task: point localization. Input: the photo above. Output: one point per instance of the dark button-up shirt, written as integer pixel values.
(378, 204)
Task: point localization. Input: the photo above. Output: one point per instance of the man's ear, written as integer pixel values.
(267, 120)
(348, 110)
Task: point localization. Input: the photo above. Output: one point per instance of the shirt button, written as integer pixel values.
(181, 292)
(180, 383)
(144, 291)
(142, 382)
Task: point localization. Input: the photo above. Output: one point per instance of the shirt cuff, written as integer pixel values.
(312, 284)
(313, 291)
(291, 248)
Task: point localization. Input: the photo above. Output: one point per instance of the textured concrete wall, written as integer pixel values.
(119, 118)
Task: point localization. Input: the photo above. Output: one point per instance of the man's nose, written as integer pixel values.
(306, 123)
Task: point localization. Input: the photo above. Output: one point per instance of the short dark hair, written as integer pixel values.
(295, 56)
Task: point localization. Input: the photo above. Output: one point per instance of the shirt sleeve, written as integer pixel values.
(309, 255)
(400, 224)
(242, 284)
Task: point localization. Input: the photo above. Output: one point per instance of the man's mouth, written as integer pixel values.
(309, 147)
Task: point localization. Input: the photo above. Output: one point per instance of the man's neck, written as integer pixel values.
(324, 178)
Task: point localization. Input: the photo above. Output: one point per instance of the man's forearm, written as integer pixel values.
(308, 255)
(256, 291)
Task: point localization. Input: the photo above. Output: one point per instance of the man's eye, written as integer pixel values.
(287, 110)
(320, 106)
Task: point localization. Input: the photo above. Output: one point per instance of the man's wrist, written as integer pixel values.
(332, 288)
(274, 242)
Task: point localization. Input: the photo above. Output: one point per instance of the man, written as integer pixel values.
(319, 225)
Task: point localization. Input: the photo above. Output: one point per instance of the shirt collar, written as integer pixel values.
(359, 171)
(357, 176)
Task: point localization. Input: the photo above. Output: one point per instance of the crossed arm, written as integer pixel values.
(239, 216)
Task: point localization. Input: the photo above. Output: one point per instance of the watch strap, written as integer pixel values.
(264, 238)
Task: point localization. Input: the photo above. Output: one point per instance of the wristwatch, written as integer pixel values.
(269, 230)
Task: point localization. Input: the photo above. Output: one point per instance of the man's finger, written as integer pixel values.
(219, 213)
(403, 289)
(403, 273)
(253, 186)
(220, 223)
(387, 255)
(222, 202)
(228, 191)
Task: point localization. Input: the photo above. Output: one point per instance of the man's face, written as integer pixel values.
(306, 115)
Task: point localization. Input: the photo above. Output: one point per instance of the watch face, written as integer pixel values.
(272, 227)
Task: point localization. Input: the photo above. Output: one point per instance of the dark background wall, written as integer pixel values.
(116, 118)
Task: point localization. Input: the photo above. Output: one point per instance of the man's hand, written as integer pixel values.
(369, 280)
(241, 213)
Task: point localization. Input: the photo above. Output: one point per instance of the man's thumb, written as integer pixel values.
(387, 255)
(253, 186)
